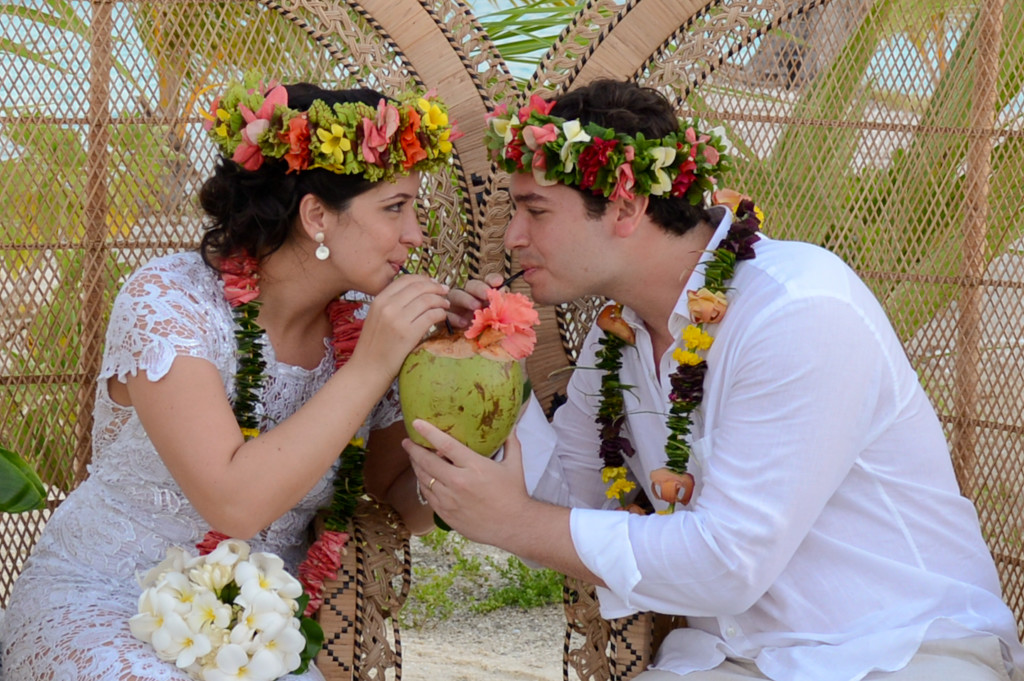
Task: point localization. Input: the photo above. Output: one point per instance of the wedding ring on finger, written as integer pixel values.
(430, 485)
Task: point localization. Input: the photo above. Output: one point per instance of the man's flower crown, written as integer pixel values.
(251, 122)
(684, 163)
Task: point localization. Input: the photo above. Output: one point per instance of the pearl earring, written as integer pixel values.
(322, 252)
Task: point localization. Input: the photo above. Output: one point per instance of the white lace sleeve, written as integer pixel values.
(169, 308)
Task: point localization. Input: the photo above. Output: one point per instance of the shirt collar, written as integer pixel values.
(680, 316)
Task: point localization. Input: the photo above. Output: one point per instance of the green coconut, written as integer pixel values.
(472, 395)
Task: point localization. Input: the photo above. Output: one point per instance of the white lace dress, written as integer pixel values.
(68, 613)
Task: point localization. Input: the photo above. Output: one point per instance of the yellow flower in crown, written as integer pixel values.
(695, 338)
(433, 118)
(686, 357)
(335, 143)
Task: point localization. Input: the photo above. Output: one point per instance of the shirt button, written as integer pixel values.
(730, 632)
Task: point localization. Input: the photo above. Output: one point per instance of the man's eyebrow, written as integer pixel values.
(527, 197)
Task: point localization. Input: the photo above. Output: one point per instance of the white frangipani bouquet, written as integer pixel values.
(229, 614)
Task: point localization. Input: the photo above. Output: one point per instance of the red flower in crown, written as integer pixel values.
(592, 159)
(414, 152)
(297, 137)
(538, 104)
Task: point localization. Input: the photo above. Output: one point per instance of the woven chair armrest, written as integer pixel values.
(610, 650)
(360, 608)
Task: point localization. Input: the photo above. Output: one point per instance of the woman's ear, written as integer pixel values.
(312, 215)
(628, 214)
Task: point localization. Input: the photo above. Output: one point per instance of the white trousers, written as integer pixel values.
(969, 659)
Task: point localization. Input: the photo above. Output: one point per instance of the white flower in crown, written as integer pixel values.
(574, 134)
(663, 157)
(726, 146)
(503, 126)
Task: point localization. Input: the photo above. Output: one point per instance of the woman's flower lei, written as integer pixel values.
(684, 163)
(706, 306)
(240, 275)
(252, 122)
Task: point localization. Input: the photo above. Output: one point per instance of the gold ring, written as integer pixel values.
(430, 485)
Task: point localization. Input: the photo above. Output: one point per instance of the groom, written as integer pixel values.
(826, 538)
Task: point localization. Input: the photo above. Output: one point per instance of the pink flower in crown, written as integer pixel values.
(499, 111)
(540, 170)
(377, 134)
(711, 155)
(538, 104)
(212, 118)
(624, 178)
(248, 153)
(240, 275)
(692, 138)
(535, 135)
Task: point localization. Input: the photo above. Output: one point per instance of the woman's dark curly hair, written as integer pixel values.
(630, 108)
(254, 211)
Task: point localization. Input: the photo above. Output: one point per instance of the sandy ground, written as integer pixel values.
(509, 644)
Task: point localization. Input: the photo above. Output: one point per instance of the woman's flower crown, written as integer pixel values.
(252, 122)
(615, 165)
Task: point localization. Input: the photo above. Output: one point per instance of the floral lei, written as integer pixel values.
(684, 163)
(706, 306)
(252, 122)
(240, 275)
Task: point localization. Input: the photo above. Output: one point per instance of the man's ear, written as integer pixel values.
(629, 213)
(312, 215)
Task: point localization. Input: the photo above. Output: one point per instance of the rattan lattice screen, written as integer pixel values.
(888, 131)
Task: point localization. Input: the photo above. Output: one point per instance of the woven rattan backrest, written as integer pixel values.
(102, 148)
(889, 131)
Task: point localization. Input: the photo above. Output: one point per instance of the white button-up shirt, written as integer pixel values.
(827, 536)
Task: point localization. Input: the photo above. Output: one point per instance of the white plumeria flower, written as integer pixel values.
(208, 611)
(174, 562)
(176, 642)
(214, 577)
(154, 606)
(182, 590)
(574, 134)
(265, 611)
(233, 664)
(286, 642)
(228, 552)
(663, 157)
(265, 571)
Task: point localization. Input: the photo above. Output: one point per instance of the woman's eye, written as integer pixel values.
(396, 207)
